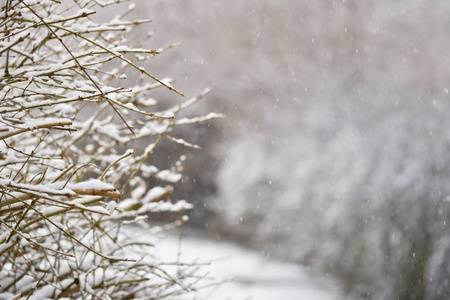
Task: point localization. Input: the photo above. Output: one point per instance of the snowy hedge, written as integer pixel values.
(77, 140)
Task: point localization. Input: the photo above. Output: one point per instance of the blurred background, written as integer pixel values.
(335, 150)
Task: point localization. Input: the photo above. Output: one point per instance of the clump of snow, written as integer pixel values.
(157, 193)
(169, 176)
(95, 187)
(167, 82)
(168, 115)
(111, 206)
(93, 184)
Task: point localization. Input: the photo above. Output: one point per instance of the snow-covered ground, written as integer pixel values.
(248, 274)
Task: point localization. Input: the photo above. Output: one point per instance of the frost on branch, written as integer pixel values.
(68, 184)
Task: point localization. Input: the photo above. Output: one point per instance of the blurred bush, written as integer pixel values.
(335, 152)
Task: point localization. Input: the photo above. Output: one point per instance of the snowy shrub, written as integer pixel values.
(75, 164)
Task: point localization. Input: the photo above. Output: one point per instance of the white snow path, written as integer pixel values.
(252, 274)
